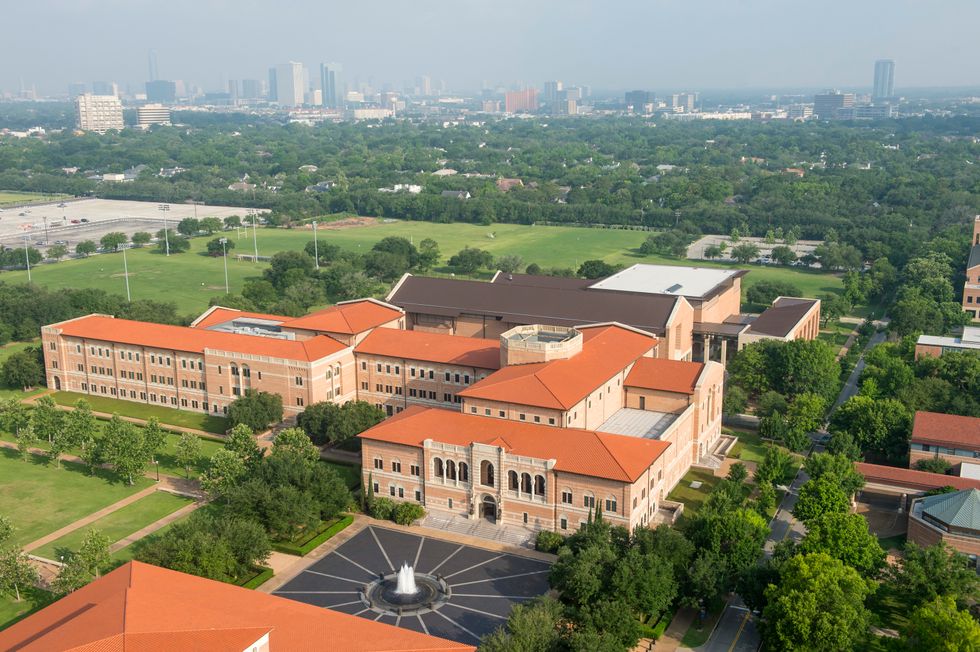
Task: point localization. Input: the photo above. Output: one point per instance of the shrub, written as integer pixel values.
(770, 402)
(382, 508)
(548, 541)
(408, 513)
(933, 465)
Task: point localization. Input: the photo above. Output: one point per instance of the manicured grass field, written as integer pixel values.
(16, 197)
(39, 498)
(191, 279)
(119, 524)
(693, 498)
(167, 416)
(749, 448)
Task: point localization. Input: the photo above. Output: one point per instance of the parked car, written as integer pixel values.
(74, 221)
(61, 242)
(62, 205)
(84, 219)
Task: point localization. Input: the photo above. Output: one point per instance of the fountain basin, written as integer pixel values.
(382, 595)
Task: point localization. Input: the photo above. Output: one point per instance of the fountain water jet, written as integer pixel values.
(405, 584)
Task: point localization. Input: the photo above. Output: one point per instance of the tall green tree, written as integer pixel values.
(188, 452)
(845, 537)
(938, 625)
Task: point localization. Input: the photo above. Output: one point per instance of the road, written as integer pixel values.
(737, 630)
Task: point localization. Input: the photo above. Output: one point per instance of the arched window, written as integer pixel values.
(450, 470)
(526, 483)
(246, 371)
(464, 472)
(539, 485)
(611, 504)
(234, 369)
(437, 470)
(486, 473)
(588, 500)
(512, 481)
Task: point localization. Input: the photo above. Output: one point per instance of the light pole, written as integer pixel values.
(45, 218)
(224, 254)
(255, 233)
(316, 251)
(27, 255)
(126, 275)
(165, 208)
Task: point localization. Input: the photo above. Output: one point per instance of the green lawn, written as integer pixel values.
(119, 524)
(32, 599)
(749, 448)
(8, 197)
(167, 416)
(697, 634)
(349, 472)
(191, 279)
(694, 498)
(39, 498)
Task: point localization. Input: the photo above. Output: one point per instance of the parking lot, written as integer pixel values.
(89, 219)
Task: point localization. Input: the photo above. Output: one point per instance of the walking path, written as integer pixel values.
(153, 527)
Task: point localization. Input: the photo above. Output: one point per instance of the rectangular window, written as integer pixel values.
(364, 386)
(299, 381)
(414, 469)
(183, 364)
(391, 489)
(378, 368)
(401, 492)
(432, 395)
(611, 505)
(551, 421)
(432, 374)
(522, 417)
(396, 467)
(387, 368)
(81, 367)
(466, 379)
(537, 419)
(363, 366)
(418, 496)
(566, 497)
(376, 488)
(473, 409)
(397, 370)
(379, 463)
(168, 360)
(501, 414)
(564, 523)
(450, 503)
(413, 392)
(456, 378)
(447, 376)
(588, 501)
(525, 518)
(299, 401)
(411, 372)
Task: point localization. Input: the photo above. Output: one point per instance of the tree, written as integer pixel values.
(713, 251)
(745, 252)
(22, 370)
(879, 425)
(323, 249)
(26, 441)
(16, 569)
(232, 222)
(819, 497)
(923, 574)
(818, 605)
(736, 400)
(241, 442)
(470, 259)
(177, 244)
(113, 240)
(771, 402)
(257, 410)
(784, 256)
(287, 267)
(295, 440)
(141, 238)
(530, 627)
(225, 470)
(510, 263)
(216, 248)
(933, 465)
(776, 468)
(71, 577)
(189, 226)
(845, 537)
(94, 552)
(211, 224)
(837, 467)
(188, 452)
(124, 447)
(79, 427)
(86, 248)
(737, 473)
(764, 293)
(645, 582)
(58, 251)
(594, 269)
(801, 366)
(533, 269)
(938, 625)
(428, 254)
(329, 423)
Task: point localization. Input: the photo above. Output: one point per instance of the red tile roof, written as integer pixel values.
(912, 479)
(949, 429)
(665, 375)
(561, 384)
(584, 452)
(349, 318)
(432, 347)
(142, 607)
(220, 314)
(194, 340)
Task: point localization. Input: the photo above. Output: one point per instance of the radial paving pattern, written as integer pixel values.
(484, 584)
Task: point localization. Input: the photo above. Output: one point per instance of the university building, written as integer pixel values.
(971, 290)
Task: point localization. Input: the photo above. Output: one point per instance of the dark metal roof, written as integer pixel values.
(531, 304)
(531, 280)
(974, 260)
(782, 316)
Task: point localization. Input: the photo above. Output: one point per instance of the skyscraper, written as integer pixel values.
(637, 100)
(826, 105)
(884, 86)
(423, 85)
(551, 90)
(523, 101)
(98, 113)
(161, 90)
(251, 89)
(272, 84)
(75, 89)
(289, 84)
(332, 85)
(105, 88)
(152, 61)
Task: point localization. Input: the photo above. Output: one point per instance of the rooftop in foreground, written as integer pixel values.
(693, 282)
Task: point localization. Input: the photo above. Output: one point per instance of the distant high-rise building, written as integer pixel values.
(551, 91)
(251, 89)
(234, 90)
(75, 89)
(572, 93)
(152, 62)
(826, 105)
(523, 101)
(423, 85)
(273, 85)
(161, 90)
(884, 86)
(105, 88)
(637, 100)
(683, 102)
(290, 88)
(98, 113)
(332, 85)
(152, 114)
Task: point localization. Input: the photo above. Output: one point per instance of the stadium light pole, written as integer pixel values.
(166, 236)
(224, 254)
(27, 256)
(316, 251)
(255, 232)
(126, 275)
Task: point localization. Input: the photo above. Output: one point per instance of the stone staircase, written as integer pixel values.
(481, 529)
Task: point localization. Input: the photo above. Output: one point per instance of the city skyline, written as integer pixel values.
(729, 47)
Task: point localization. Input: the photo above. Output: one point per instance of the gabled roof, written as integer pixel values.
(219, 315)
(143, 607)
(665, 375)
(194, 340)
(960, 509)
(782, 316)
(532, 304)
(584, 452)
(348, 318)
(561, 384)
(432, 347)
(950, 429)
(911, 479)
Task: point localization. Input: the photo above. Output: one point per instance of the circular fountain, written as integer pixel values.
(406, 592)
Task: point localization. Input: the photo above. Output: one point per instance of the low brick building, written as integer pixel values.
(951, 437)
(952, 518)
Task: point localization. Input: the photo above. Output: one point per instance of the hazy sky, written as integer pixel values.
(608, 44)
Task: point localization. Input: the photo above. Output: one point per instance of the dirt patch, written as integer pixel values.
(346, 223)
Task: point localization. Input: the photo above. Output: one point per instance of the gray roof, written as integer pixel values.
(960, 509)
(974, 260)
(782, 316)
(638, 423)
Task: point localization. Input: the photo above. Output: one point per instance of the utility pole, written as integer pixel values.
(224, 254)
(255, 232)
(316, 250)
(27, 256)
(126, 275)
(166, 235)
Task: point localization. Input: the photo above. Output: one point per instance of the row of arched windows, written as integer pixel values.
(450, 469)
(523, 483)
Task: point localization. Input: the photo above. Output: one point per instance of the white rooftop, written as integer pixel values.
(638, 423)
(666, 279)
(969, 340)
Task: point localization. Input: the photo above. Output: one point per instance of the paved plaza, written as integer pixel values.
(483, 584)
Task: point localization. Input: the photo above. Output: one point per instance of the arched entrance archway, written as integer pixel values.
(488, 508)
